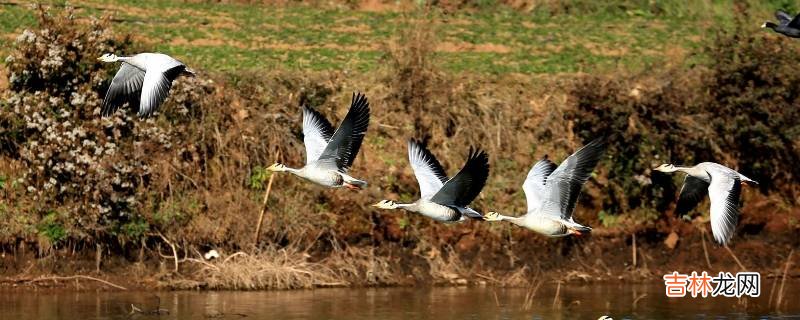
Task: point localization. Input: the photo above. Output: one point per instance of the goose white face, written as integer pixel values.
(277, 167)
(386, 204)
(108, 57)
(665, 168)
(492, 216)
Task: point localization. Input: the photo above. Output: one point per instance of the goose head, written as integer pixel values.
(492, 216)
(769, 24)
(386, 204)
(108, 57)
(665, 168)
(277, 167)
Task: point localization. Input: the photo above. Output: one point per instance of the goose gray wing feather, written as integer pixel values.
(783, 17)
(564, 184)
(317, 131)
(156, 86)
(724, 191)
(125, 87)
(462, 188)
(428, 171)
(692, 192)
(343, 147)
(534, 185)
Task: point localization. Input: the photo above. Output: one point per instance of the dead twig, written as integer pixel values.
(194, 183)
(705, 251)
(530, 295)
(200, 261)
(772, 293)
(62, 278)
(735, 258)
(783, 280)
(137, 310)
(633, 251)
(172, 246)
(636, 301)
(264, 204)
(487, 277)
(233, 256)
(558, 292)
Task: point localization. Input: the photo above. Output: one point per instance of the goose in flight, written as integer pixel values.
(143, 81)
(444, 199)
(787, 25)
(330, 154)
(552, 191)
(723, 186)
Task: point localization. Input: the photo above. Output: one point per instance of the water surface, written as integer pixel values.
(585, 301)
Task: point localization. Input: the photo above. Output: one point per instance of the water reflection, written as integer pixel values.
(641, 301)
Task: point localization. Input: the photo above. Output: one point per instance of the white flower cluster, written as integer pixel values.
(26, 36)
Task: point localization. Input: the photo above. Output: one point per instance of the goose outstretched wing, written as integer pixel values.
(317, 131)
(125, 87)
(343, 147)
(564, 184)
(783, 17)
(795, 23)
(534, 185)
(429, 172)
(460, 190)
(693, 191)
(724, 192)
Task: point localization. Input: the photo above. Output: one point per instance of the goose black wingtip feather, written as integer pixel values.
(359, 100)
(465, 186)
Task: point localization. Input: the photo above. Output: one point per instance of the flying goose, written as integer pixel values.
(723, 186)
(443, 199)
(787, 25)
(330, 154)
(552, 191)
(143, 80)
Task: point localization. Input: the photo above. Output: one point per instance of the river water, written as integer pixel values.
(584, 301)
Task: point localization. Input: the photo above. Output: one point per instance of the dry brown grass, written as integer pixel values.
(271, 268)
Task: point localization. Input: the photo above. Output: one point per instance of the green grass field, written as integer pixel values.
(226, 37)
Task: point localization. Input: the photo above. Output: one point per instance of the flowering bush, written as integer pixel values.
(91, 168)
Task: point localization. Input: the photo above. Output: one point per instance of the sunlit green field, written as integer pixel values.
(495, 39)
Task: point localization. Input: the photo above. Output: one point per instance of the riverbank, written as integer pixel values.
(140, 202)
(477, 259)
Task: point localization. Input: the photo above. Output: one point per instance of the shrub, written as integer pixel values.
(96, 169)
(645, 119)
(740, 112)
(752, 105)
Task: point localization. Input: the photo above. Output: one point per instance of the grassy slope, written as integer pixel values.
(228, 37)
